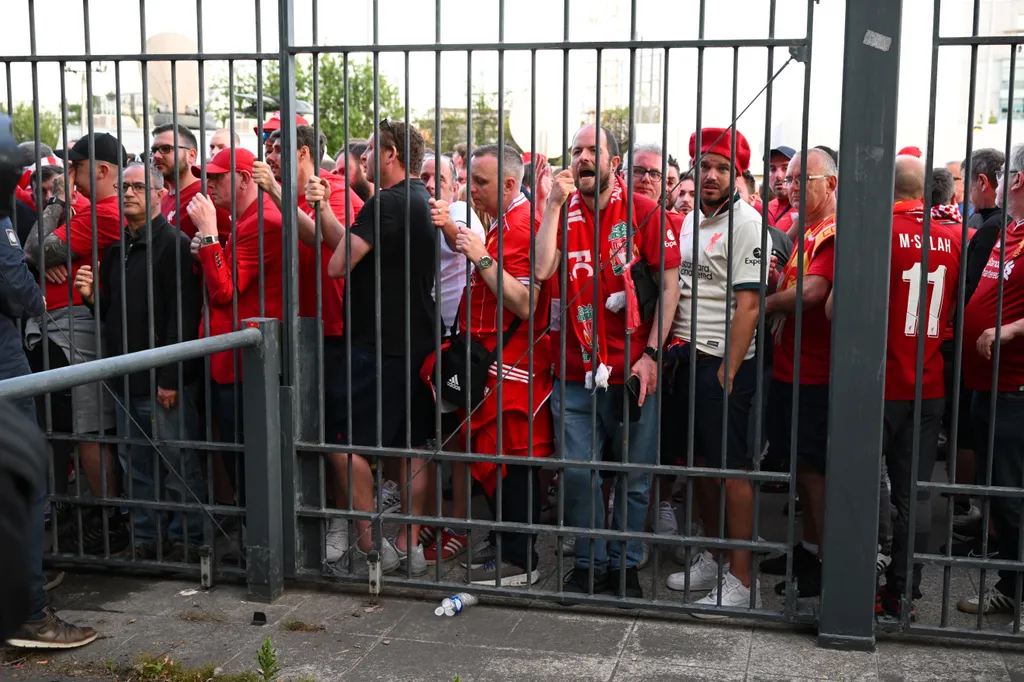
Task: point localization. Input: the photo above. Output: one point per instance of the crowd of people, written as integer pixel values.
(653, 277)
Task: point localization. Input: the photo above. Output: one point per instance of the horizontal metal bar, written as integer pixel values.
(982, 40)
(518, 594)
(967, 562)
(553, 463)
(168, 57)
(971, 490)
(551, 45)
(130, 567)
(544, 529)
(191, 507)
(119, 440)
(63, 378)
(931, 631)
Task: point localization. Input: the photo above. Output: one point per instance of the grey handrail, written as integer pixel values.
(96, 370)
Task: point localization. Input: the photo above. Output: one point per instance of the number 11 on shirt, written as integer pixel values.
(937, 280)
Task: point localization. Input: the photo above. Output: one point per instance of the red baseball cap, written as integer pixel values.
(719, 141)
(274, 123)
(910, 151)
(222, 162)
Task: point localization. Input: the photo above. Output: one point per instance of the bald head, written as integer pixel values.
(909, 184)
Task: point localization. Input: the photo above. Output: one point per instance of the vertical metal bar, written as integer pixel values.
(695, 245)
(563, 284)
(500, 326)
(376, 527)
(289, 182)
(261, 148)
(958, 332)
(408, 323)
(922, 328)
(439, 444)
(262, 424)
(598, 311)
(468, 307)
(858, 387)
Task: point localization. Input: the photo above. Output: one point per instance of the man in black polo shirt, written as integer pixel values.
(396, 215)
(122, 304)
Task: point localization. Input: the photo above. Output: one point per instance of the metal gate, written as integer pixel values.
(270, 539)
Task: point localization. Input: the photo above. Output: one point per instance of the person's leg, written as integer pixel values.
(897, 446)
(135, 423)
(99, 468)
(519, 548)
(739, 493)
(643, 437)
(362, 490)
(1008, 471)
(184, 481)
(885, 525)
(582, 493)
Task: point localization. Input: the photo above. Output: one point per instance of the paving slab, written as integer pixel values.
(773, 652)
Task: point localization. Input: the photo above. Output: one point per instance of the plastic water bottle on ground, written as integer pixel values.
(454, 604)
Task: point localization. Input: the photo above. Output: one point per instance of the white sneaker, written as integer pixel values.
(645, 556)
(734, 594)
(337, 540)
(703, 574)
(569, 545)
(667, 524)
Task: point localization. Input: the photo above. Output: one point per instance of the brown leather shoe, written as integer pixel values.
(50, 632)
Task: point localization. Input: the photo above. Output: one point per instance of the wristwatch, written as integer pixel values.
(207, 240)
(651, 352)
(484, 263)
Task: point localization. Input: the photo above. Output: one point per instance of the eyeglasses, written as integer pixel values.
(790, 180)
(137, 187)
(1000, 174)
(165, 148)
(639, 173)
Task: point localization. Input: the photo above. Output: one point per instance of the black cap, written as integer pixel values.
(107, 149)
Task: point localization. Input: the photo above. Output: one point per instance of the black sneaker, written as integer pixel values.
(808, 580)
(50, 632)
(777, 565)
(117, 530)
(633, 588)
(972, 548)
(577, 581)
(176, 554)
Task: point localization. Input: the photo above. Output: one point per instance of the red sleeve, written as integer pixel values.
(108, 231)
(516, 245)
(217, 265)
(651, 235)
(338, 200)
(824, 261)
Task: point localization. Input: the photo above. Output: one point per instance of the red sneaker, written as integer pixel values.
(452, 546)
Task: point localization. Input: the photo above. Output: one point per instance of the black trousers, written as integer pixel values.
(517, 548)
(897, 444)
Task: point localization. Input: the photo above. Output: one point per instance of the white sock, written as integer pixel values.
(813, 549)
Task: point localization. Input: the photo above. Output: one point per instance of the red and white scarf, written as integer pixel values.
(584, 313)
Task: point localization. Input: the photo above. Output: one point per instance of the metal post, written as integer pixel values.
(863, 238)
(261, 367)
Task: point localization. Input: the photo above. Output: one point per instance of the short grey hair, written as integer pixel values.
(987, 162)
(512, 161)
(156, 178)
(1017, 158)
(829, 168)
(447, 160)
(650, 148)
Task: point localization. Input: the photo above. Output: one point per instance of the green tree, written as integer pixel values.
(453, 125)
(616, 120)
(245, 90)
(23, 120)
(331, 76)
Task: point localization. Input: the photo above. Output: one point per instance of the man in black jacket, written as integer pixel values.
(122, 304)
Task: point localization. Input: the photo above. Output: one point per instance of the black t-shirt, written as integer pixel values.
(393, 282)
(979, 249)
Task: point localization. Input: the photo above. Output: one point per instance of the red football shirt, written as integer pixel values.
(217, 264)
(905, 276)
(332, 290)
(980, 315)
(518, 224)
(949, 332)
(780, 215)
(168, 207)
(645, 214)
(816, 341)
(108, 230)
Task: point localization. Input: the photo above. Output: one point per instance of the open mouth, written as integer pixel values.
(587, 174)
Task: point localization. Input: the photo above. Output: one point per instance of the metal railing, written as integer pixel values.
(298, 477)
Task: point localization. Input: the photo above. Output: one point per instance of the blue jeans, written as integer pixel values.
(178, 467)
(584, 506)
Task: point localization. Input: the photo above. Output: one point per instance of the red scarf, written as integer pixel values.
(583, 310)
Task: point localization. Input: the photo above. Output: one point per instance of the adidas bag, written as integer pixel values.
(464, 366)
